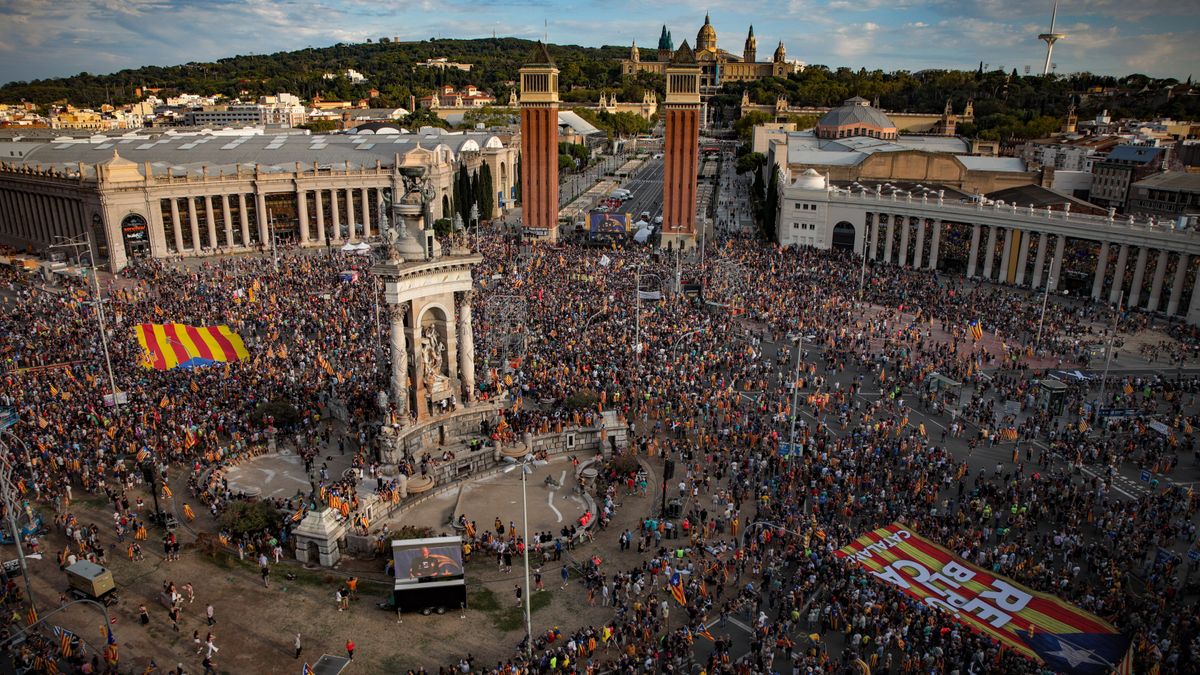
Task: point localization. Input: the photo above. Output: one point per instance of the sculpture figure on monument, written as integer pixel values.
(432, 359)
(390, 234)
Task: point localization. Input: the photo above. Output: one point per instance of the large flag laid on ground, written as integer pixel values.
(1038, 625)
(170, 345)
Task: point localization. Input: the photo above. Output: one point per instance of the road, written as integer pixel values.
(646, 186)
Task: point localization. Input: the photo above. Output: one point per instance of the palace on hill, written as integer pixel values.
(717, 66)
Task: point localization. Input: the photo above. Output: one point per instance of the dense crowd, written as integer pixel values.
(708, 382)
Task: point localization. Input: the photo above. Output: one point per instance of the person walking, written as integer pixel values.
(350, 649)
(297, 645)
(517, 592)
(566, 576)
(208, 612)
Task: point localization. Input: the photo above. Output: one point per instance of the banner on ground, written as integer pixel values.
(1038, 625)
(175, 345)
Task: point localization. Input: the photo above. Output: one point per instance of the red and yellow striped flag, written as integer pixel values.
(173, 344)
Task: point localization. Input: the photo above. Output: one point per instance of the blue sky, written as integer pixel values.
(46, 38)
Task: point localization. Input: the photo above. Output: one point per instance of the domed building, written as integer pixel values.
(856, 117)
(717, 66)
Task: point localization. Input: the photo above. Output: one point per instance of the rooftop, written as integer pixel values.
(1171, 180)
(191, 153)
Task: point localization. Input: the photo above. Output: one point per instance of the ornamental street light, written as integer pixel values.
(525, 466)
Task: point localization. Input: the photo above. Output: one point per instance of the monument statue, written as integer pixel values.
(432, 359)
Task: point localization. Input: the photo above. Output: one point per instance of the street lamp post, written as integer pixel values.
(1112, 336)
(75, 244)
(525, 471)
(10, 509)
(796, 393)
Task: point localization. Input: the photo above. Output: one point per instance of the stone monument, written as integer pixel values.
(428, 297)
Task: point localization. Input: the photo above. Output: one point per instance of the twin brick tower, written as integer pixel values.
(539, 146)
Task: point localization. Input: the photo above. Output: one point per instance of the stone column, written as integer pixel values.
(1160, 273)
(1181, 268)
(973, 252)
(210, 221)
(902, 258)
(244, 219)
(337, 216)
(919, 249)
(466, 348)
(1193, 314)
(399, 361)
(1101, 266)
(320, 216)
(1006, 255)
(194, 224)
(989, 253)
(176, 226)
(933, 244)
(227, 216)
(874, 250)
(1023, 256)
(1056, 263)
(1114, 295)
(1139, 275)
(260, 208)
(1039, 261)
(302, 213)
(366, 213)
(350, 214)
(889, 238)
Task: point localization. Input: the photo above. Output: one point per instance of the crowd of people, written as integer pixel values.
(713, 384)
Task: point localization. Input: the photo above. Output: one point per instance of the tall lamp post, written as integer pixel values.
(796, 392)
(7, 493)
(76, 244)
(526, 469)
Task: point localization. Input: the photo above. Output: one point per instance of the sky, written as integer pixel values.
(49, 38)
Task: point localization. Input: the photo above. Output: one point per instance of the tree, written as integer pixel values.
(750, 162)
(242, 517)
(486, 192)
(517, 183)
(771, 206)
(745, 125)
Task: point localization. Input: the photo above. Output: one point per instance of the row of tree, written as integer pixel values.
(1007, 105)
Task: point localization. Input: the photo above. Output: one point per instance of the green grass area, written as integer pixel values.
(505, 617)
(513, 616)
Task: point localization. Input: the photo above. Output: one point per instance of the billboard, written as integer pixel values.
(1039, 626)
(608, 225)
(424, 560)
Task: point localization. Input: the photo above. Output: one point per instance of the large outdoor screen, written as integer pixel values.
(423, 560)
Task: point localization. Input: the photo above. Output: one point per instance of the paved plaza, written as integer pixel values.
(498, 495)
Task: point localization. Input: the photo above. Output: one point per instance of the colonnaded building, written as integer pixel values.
(206, 192)
(717, 66)
(1032, 237)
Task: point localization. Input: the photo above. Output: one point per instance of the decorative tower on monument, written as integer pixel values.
(681, 149)
(539, 144)
(750, 54)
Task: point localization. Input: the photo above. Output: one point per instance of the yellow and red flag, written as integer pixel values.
(1037, 625)
(171, 345)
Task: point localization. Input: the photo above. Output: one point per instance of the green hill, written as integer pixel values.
(389, 66)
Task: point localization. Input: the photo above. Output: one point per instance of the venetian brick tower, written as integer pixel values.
(539, 144)
(682, 148)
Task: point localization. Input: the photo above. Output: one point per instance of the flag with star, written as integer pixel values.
(1037, 625)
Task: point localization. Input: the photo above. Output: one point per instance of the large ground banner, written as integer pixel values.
(1038, 625)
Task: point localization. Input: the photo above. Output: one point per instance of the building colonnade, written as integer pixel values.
(1138, 278)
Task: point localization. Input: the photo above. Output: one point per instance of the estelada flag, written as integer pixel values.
(173, 345)
(677, 589)
(1037, 625)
